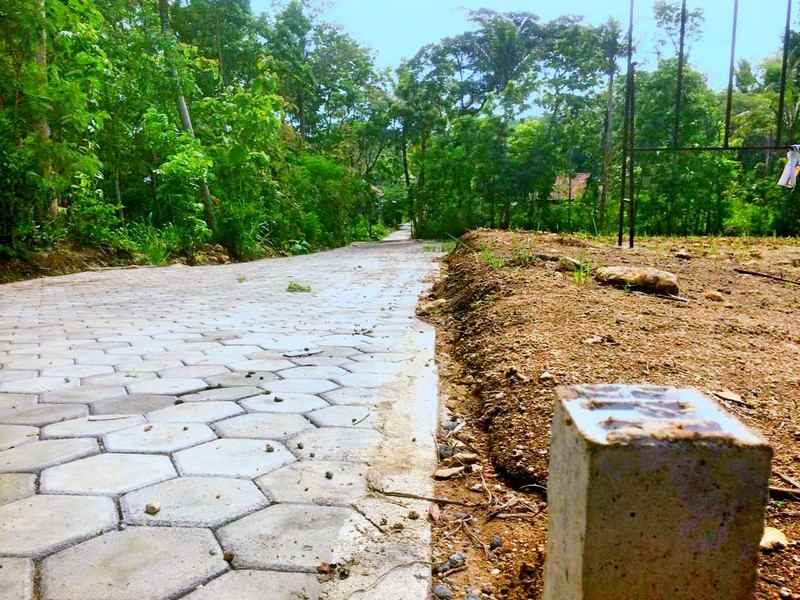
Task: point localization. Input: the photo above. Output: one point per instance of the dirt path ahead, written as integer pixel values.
(205, 433)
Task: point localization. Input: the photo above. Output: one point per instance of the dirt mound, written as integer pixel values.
(513, 327)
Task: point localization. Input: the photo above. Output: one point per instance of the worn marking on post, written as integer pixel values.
(654, 493)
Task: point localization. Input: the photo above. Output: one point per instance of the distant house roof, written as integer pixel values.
(561, 189)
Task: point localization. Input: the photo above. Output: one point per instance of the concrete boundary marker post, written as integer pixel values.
(654, 494)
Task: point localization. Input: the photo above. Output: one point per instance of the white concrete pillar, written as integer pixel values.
(654, 494)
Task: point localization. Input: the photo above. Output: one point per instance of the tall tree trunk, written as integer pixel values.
(218, 37)
(409, 191)
(607, 148)
(42, 126)
(183, 111)
(118, 194)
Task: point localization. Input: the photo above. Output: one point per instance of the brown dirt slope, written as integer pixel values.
(513, 326)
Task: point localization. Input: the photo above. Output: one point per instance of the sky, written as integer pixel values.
(396, 29)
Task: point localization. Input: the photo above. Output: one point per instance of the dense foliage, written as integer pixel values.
(156, 126)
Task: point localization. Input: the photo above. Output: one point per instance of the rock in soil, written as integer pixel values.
(442, 592)
(639, 278)
(448, 473)
(568, 265)
(773, 539)
(473, 594)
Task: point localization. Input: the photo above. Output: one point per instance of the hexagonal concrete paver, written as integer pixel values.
(158, 438)
(223, 394)
(172, 386)
(16, 578)
(44, 414)
(107, 474)
(195, 412)
(35, 456)
(260, 364)
(364, 380)
(6, 376)
(295, 537)
(134, 404)
(38, 385)
(135, 366)
(312, 373)
(353, 395)
(91, 426)
(243, 459)
(128, 344)
(333, 443)
(262, 426)
(194, 371)
(39, 525)
(283, 403)
(387, 368)
(242, 379)
(316, 482)
(118, 379)
(84, 394)
(323, 361)
(36, 364)
(251, 585)
(193, 502)
(12, 403)
(16, 486)
(78, 371)
(139, 563)
(300, 386)
(382, 356)
(343, 416)
(14, 435)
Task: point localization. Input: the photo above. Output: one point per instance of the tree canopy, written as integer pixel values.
(157, 126)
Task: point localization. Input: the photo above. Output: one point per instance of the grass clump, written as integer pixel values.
(297, 288)
(491, 259)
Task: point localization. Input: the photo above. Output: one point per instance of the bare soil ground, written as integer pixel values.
(65, 258)
(512, 328)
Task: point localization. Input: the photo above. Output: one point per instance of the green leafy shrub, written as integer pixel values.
(241, 228)
(91, 219)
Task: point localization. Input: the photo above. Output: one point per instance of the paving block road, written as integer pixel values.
(203, 433)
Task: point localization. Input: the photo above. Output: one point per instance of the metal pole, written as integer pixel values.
(784, 69)
(625, 130)
(729, 106)
(632, 162)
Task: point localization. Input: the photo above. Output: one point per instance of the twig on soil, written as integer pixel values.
(790, 480)
(453, 571)
(766, 276)
(770, 580)
(419, 497)
(476, 540)
(535, 486)
(663, 297)
(782, 491)
(487, 490)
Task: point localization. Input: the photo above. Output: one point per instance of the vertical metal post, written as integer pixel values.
(731, 72)
(784, 69)
(632, 162)
(625, 130)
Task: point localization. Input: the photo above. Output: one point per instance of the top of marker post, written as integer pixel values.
(644, 414)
